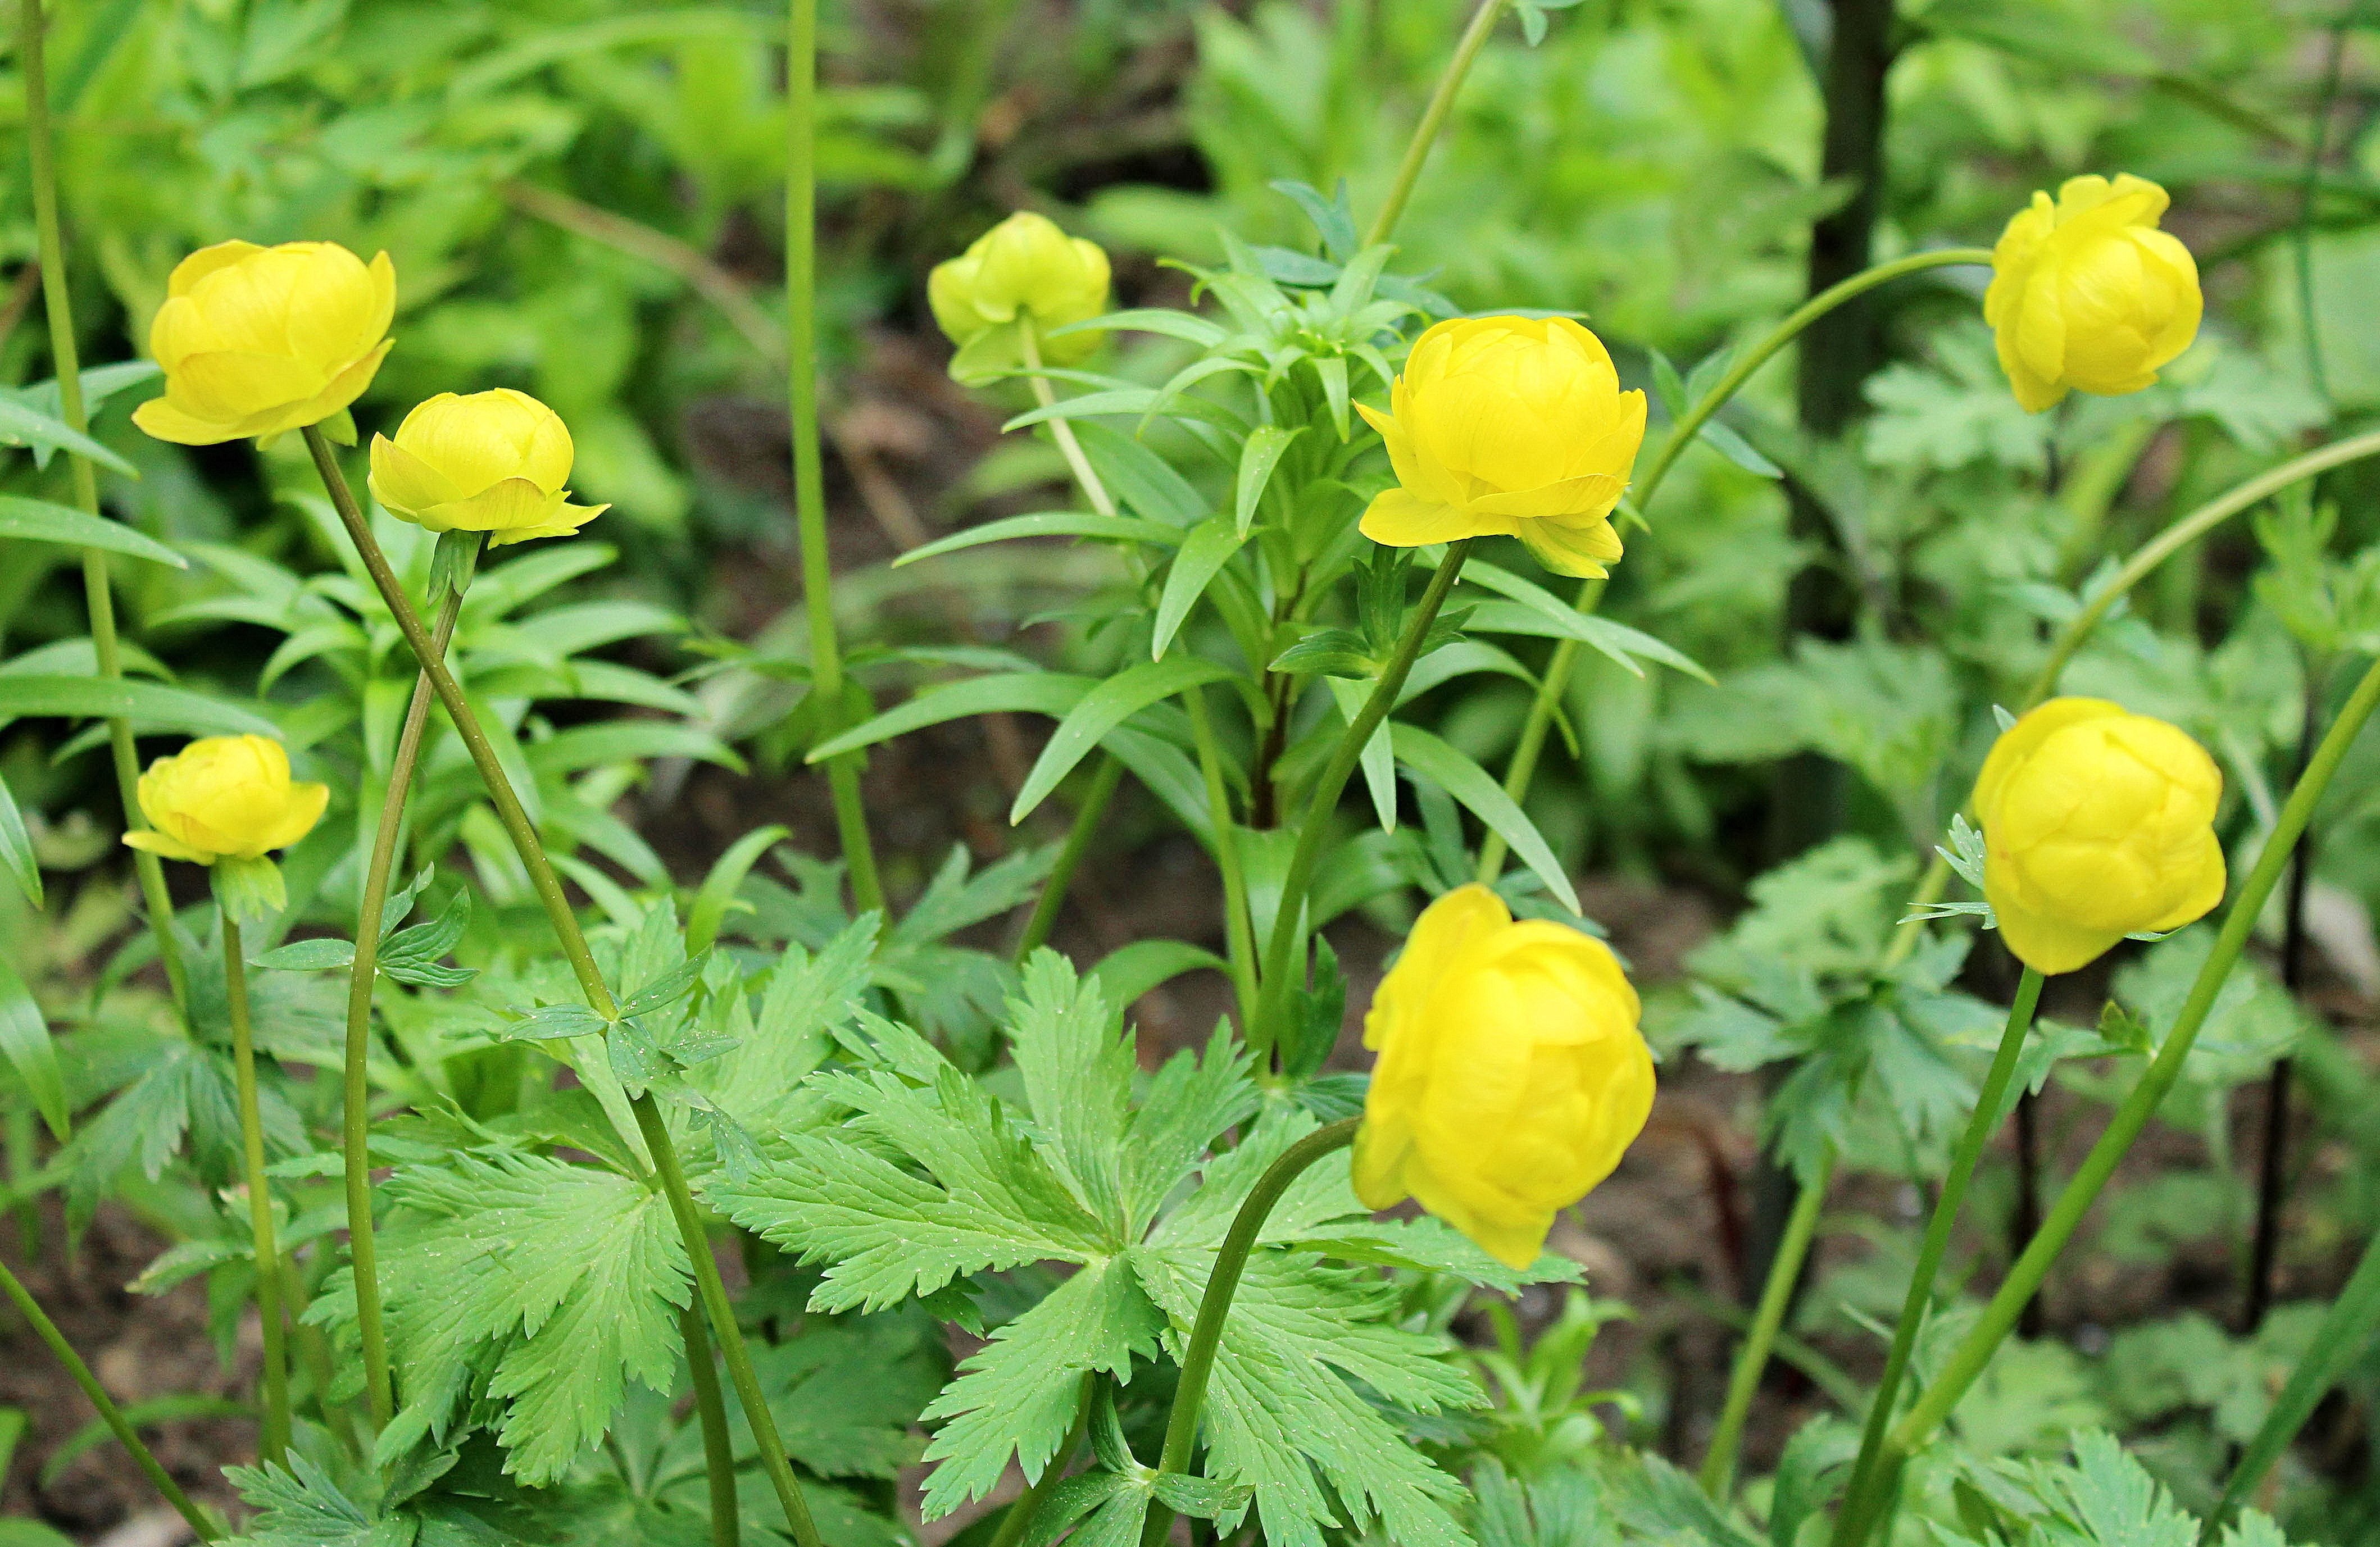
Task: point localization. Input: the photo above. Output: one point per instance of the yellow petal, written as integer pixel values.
(2205, 889)
(2019, 742)
(2048, 945)
(1580, 552)
(333, 399)
(1398, 519)
(404, 483)
(232, 385)
(166, 847)
(566, 523)
(307, 802)
(159, 418)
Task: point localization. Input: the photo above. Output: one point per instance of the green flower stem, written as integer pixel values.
(1053, 900)
(1239, 930)
(718, 1446)
(66, 357)
(109, 1413)
(2156, 551)
(1020, 1515)
(1768, 1322)
(1565, 656)
(1282, 952)
(274, 1444)
(1981, 1125)
(809, 477)
(356, 1111)
(1432, 118)
(1215, 1305)
(573, 941)
(1974, 1351)
(1059, 430)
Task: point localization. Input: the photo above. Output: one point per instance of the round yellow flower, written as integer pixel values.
(493, 462)
(1024, 272)
(256, 341)
(1511, 1075)
(2088, 293)
(2097, 824)
(1509, 426)
(225, 797)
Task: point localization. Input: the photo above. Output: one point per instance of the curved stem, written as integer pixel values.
(109, 1413)
(274, 1442)
(1052, 900)
(1059, 430)
(573, 941)
(1565, 656)
(1215, 1305)
(1239, 930)
(1967, 1360)
(1013, 1524)
(809, 475)
(1760, 1338)
(1432, 118)
(1288, 925)
(356, 1110)
(1989, 1106)
(718, 1446)
(65, 357)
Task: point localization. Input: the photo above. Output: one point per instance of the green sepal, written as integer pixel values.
(339, 429)
(250, 891)
(455, 560)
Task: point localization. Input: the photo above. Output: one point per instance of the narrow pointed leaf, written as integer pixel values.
(1208, 549)
(42, 521)
(1101, 709)
(1469, 783)
(1045, 693)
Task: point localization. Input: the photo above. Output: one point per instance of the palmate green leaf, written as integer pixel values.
(847, 1393)
(546, 1285)
(1077, 1077)
(301, 1506)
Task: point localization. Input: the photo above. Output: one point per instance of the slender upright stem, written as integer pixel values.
(1432, 118)
(1966, 1361)
(809, 476)
(1059, 430)
(1215, 1304)
(1937, 1243)
(274, 1442)
(1282, 952)
(1565, 656)
(1768, 1320)
(2309, 191)
(1020, 1515)
(1239, 929)
(2272, 1160)
(1053, 900)
(718, 1446)
(356, 1111)
(109, 1413)
(65, 357)
(573, 941)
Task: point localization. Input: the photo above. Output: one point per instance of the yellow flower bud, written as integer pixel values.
(1511, 1075)
(493, 462)
(1023, 273)
(256, 341)
(2088, 293)
(2097, 824)
(225, 797)
(1509, 426)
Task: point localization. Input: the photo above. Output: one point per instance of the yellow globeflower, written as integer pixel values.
(1023, 273)
(493, 462)
(1511, 1075)
(225, 797)
(1509, 426)
(2088, 293)
(2097, 824)
(256, 341)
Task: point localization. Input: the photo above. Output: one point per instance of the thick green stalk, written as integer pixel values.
(1981, 1125)
(1432, 118)
(65, 357)
(1215, 1304)
(809, 475)
(1565, 656)
(1767, 1321)
(274, 1444)
(356, 1112)
(1974, 1351)
(718, 1446)
(1239, 929)
(110, 1414)
(1052, 900)
(573, 941)
(1020, 1515)
(1283, 950)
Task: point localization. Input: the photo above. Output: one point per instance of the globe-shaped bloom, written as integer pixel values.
(225, 797)
(493, 462)
(2087, 293)
(258, 341)
(1510, 426)
(1022, 276)
(2097, 824)
(1511, 1078)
